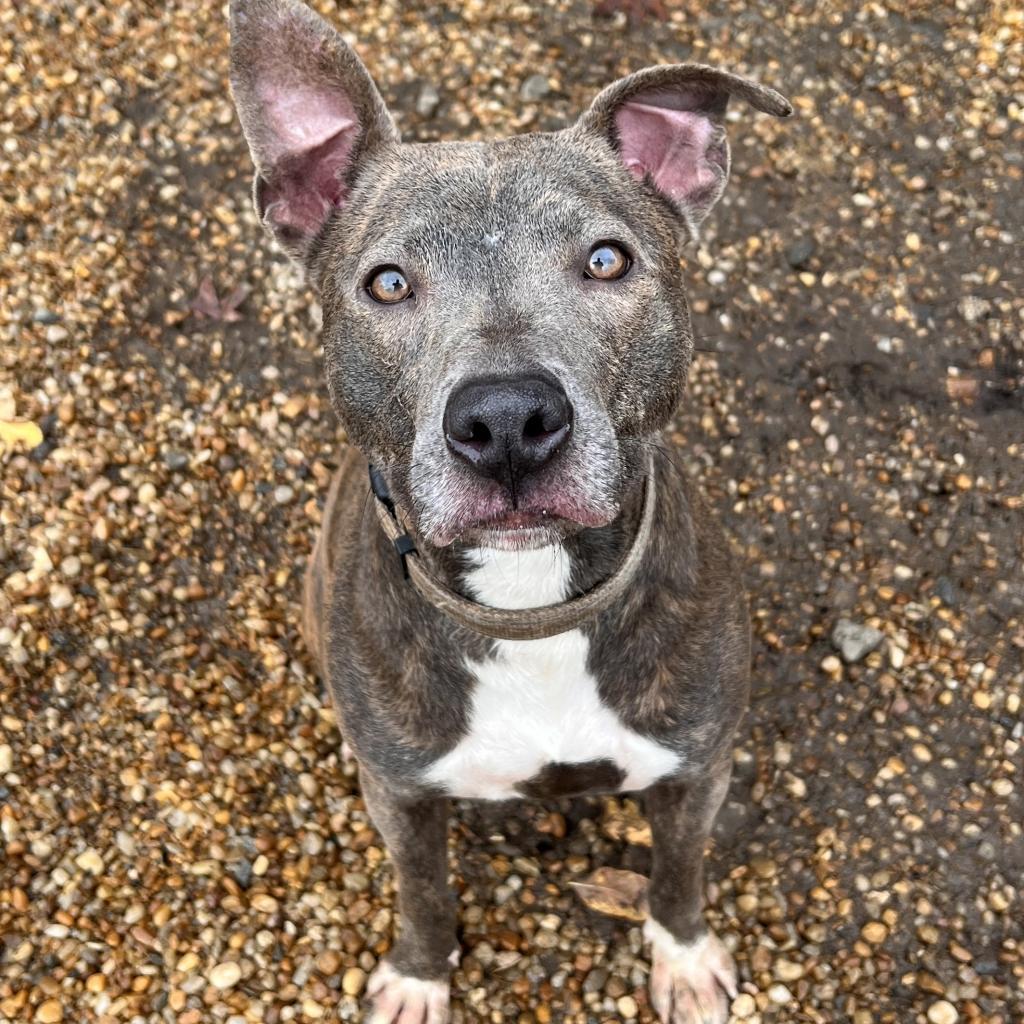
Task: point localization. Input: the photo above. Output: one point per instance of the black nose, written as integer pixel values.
(507, 427)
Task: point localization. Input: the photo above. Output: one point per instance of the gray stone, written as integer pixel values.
(799, 252)
(535, 88)
(428, 100)
(854, 640)
(175, 459)
(242, 871)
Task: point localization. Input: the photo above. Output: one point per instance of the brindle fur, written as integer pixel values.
(671, 657)
(490, 235)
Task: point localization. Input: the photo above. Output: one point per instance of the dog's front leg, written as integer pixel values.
(692, 972)
(411, 986)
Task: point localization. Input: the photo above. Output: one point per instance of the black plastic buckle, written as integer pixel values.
(380, 490)
(404, 545)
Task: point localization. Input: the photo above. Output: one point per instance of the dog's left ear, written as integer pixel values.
(667, 125)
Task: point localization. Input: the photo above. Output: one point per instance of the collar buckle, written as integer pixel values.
(404, 544)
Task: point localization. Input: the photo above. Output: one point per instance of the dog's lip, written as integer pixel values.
(524, 523)
(555, 512)
(516, 520)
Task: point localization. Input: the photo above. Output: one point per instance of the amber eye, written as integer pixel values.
(388, 284)
(606, 262)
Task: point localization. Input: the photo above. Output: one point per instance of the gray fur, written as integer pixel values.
(493, 238)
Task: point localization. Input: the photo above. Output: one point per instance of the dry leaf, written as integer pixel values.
(624, 821)
(208, 304)
(639, 835)
(13, 431)
(615, 892)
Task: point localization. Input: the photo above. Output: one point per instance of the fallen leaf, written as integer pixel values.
(209, 305)
(206, 302)
(624, 821)
(614, 892)
(229, 306)
(13, 431)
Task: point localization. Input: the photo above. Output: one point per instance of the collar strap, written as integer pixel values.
(509, 624)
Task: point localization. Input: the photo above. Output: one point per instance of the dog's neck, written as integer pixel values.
(518, 579)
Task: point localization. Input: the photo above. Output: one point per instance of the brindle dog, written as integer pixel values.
(506, 335)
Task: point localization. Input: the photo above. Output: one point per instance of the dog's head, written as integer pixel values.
(504, 322)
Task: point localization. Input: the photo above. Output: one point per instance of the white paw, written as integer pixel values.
(400, 999)
(690, 982)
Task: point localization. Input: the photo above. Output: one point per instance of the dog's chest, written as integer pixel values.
(537, 724)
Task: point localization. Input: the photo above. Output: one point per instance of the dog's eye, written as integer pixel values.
(606, 262)
(388, 284)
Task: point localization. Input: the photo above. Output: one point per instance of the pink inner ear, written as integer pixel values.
(673, 147)
(312, 134)
(302, 117)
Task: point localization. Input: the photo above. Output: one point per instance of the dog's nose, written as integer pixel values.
(507, 427)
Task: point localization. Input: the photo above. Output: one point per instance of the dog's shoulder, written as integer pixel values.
(335, 542)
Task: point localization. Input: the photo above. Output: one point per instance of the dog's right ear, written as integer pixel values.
(310, 113)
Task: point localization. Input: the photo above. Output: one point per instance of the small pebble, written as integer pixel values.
(90, 860)
(535, 88)
(942, 1012)
(353, 981)
(428, 100)
(225, 975)
(854, 641)
(788, 970)
(744, 1006)
(627, 1007)
(50, 1012)
(799, 253)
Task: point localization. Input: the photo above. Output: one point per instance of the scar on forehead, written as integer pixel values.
(491, 240)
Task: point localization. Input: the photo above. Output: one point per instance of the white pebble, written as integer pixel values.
(89, 860)
(743, 1006)
(226, 975)
(942, 1012)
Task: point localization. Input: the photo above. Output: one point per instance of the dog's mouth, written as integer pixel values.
(514, 521)
(518, 530)
(521, 528)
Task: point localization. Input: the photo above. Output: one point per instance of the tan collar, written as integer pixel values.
(519, 624)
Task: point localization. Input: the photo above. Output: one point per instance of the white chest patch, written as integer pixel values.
(535, 701)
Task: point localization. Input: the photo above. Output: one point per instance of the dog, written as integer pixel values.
(539, 603)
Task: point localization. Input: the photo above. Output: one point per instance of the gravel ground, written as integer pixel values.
(180, 837)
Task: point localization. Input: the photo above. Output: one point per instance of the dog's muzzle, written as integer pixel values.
(509, 624)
